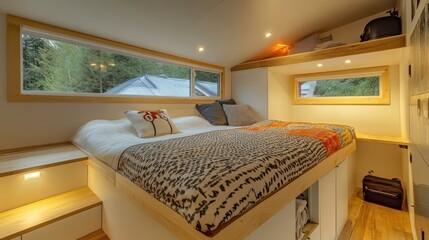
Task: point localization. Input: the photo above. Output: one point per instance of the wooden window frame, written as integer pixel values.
(14, 66)
(382, 99)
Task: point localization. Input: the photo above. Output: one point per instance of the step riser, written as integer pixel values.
(52, 181)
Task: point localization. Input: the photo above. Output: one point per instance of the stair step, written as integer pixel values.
(26, 159)
(18, 221)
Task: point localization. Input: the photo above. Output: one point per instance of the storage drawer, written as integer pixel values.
(69, 228)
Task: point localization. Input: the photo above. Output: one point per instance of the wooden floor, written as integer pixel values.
(97, 235)
(368, 221)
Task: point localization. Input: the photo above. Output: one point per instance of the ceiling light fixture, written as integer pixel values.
(268, 34)
(32, 175)
(319, 65)
(348, 61)
(200, 49)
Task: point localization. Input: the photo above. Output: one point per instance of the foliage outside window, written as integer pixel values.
(362, 86)
(84, 68)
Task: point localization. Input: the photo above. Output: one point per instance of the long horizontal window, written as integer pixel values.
(362, 86)
(56, 67)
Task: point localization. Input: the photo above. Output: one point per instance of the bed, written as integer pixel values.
(202, 182)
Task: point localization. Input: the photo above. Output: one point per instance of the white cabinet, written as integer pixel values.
(333, 202)
(327, 207)
(342, 196)
(281, 226)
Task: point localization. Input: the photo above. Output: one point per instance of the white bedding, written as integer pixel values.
(107, 139)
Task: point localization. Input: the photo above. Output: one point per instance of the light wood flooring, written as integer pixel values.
(368, 221)
(97, 235)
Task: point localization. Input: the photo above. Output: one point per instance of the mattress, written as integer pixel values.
(209, 174)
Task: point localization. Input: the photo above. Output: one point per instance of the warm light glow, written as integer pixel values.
(112, 64)
(348, 61)
(268, 34)
(319, 65)
(200, 49)
(93, 64)
(32, 175)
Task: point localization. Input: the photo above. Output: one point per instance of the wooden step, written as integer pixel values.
(18, 221)
(31, 158)
(97, 235)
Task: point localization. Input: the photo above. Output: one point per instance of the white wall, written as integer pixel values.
(381, 120)
(251, 87)
(350, 33)
(27, 124)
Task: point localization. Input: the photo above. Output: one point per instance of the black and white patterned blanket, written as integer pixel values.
(210, 178)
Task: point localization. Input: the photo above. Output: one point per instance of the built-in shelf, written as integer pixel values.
(18, 221)
(309, 229)
(382, 139)
(376, 45)
(25, 159)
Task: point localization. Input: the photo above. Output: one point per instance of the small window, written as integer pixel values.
(362, 86)
(207, 83)
(53, 64)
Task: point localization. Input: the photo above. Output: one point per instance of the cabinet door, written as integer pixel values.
(342, 196)
(281, 226)
(327, 204)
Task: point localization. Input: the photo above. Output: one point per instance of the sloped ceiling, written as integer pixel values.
(231, 31)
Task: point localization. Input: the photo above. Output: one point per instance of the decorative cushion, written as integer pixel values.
(212, 112)
(152, 123)
(240, 115)
(226, 101)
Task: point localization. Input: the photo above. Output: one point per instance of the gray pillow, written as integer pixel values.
(239, 115)
(212, 112)
(226, 101)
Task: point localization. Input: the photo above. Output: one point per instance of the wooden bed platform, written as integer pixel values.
(239, 228)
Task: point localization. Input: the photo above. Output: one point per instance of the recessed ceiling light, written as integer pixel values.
(32, 175)
(200, 49)
(319, 65)
(348, 61)
(268, 34)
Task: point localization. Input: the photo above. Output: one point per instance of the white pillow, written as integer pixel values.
(239, 115)
(190, 122)
(152, 123)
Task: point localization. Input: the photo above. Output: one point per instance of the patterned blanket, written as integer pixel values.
(212, 177)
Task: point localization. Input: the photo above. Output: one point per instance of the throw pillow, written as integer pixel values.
(152, 123)
(226, 101)
(240, 115)
(212, 112)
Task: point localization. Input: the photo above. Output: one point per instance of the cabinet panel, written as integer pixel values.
(327, 204)
(70, 228)
(281, 226)
(341, 196)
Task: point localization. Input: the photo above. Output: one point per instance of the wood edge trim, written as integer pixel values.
(43, 166)
(177, 225)
(381, 44)
(383, 99)
(35, 147)
(285, 195)
(16, 20)
(53, 221)
(40, 225)
(164, 215)
(14, 94)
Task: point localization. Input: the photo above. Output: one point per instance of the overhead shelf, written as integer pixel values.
(382, 44)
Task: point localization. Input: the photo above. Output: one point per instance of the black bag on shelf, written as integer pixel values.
(383, 191)
(382, 27)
